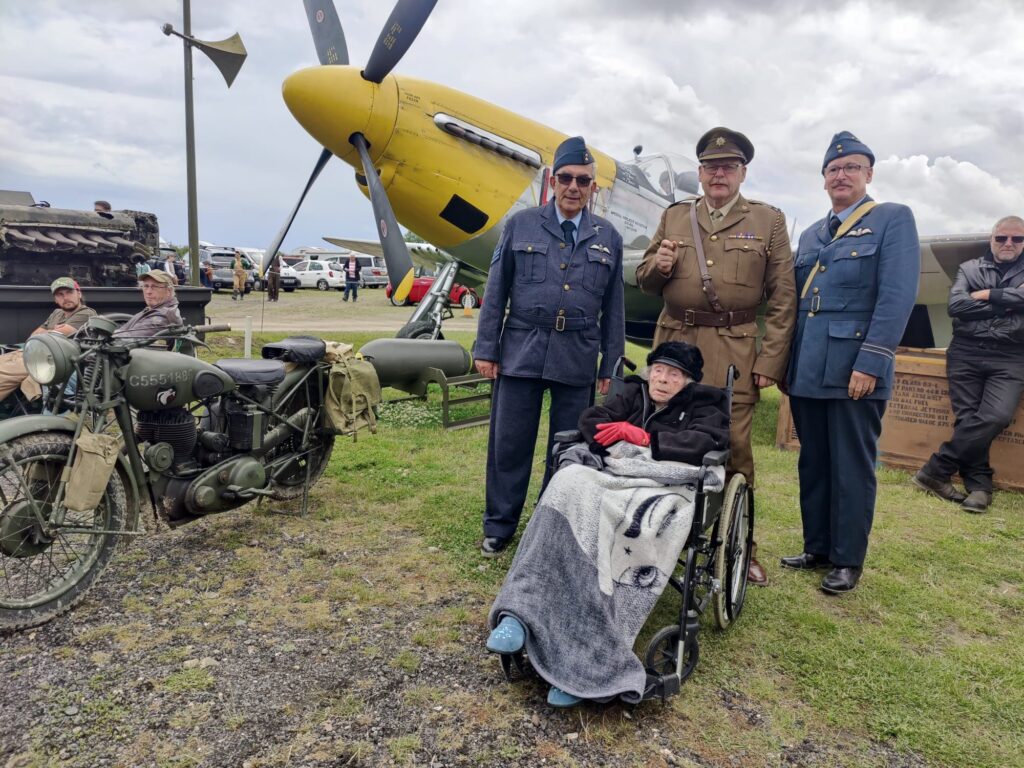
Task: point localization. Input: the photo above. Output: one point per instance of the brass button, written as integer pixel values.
(821, 268)
(604, 261)
(853, 253)
(810, 314)
(714, 238)
(561, 245)
(529, 248)
(566, 286)
(562, 265)
(816, 290)
(746, 247)
(711, 262)
(561, 311)
(857, 334)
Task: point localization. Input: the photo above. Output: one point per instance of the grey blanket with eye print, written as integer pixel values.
(591, 564)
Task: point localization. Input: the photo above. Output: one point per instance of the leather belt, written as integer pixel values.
(714, 319)
(555, 322)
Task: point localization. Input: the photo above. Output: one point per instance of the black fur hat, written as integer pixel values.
(681, 355)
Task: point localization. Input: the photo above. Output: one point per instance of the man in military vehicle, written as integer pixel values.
(161, 309)
(70, 315)
(713, 260)
(559, 270)
(984, 366)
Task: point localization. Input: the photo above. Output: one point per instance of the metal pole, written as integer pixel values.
(190, 151)
(248, 337)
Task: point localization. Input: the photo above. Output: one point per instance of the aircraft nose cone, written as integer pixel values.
(334, 102)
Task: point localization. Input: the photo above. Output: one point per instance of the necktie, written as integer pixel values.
(568, 230)
(833, 225)
(716, 215)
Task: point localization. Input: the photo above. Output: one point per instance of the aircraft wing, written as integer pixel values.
(422, 254)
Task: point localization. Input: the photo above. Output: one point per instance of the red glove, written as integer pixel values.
(613, 431)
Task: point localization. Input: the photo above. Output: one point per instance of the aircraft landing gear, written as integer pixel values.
(434, 308)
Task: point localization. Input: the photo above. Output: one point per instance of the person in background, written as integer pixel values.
(274, 280)
(101, 206)
(173, 268)
(984, 366)
(352, 269)
(239, 274)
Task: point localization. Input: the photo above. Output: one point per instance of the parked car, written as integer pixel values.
(374, 273)
(321, 275)
(289, 278)
(458, 295)
(223, 262)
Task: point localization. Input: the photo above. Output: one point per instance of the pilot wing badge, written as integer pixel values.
(859, 232)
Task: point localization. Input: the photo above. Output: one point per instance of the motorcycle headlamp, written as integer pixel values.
(50, 357)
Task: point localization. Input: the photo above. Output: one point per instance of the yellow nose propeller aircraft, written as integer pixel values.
(452, 168)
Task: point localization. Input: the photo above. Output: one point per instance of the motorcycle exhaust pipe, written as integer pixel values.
(282, 432)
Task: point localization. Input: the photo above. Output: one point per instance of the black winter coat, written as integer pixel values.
(692, 423)
(1001, 318)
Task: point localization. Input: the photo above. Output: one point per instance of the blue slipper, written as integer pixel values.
(507, 637)
(559, 698)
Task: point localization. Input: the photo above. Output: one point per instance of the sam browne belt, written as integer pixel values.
(714, 319)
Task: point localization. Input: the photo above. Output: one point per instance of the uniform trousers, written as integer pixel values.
(515, 419)
(985, 386)
(741, 455)
(838, 451)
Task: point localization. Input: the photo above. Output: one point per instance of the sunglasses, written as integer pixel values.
(1016, 239)
(566, 179)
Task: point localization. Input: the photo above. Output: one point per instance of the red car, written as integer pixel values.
(459, 295)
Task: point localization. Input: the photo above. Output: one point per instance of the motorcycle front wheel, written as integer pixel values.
(45, 574)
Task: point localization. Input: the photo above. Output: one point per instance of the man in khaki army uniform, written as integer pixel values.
(714, 260)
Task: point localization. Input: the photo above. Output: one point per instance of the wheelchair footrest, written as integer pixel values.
(508, 659)
(661, 686)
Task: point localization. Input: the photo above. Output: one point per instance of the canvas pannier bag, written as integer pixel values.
(91, 470)
(353, 391)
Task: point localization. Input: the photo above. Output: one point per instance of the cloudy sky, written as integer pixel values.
(93, 99)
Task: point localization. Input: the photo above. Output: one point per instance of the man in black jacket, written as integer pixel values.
(984, 366)
(678, 418)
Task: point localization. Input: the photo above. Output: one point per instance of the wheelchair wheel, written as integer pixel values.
(733, 556)
(662, 653)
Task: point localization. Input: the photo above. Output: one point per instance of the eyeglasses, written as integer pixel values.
(725, 167)
(1001, 239)
(849, 169)
(566, 179)
(149, 286)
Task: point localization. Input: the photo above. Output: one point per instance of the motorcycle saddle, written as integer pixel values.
(245, 371)
(295, 349)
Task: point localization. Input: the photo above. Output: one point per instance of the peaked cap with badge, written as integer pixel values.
(721, 143)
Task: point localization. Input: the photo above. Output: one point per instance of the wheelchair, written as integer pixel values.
(711, 571)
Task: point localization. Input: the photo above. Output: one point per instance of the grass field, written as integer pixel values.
(922, 665)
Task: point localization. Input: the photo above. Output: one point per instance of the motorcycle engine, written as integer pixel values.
(174, 426)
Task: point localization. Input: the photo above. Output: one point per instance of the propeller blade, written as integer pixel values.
(328, 36)
(396, 254)
(271, 256)
(404, 23)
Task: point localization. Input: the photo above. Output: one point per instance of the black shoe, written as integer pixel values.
(493, 546)
(805, 561)
(977, 502)
(938, 486)
(840, 580)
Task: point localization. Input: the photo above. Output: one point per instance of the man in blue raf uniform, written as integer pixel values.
(857, 271)
(558, 268)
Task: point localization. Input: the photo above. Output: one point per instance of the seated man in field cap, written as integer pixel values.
(70, 315)
(161, 309)
(984, 366)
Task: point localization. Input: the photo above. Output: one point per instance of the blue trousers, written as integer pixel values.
(515, 419)
(838, 451)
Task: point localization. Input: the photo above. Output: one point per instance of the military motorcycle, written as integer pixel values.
(145, 428)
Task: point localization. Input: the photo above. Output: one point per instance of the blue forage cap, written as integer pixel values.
(681, 355)
(572, 151)
(845, 143)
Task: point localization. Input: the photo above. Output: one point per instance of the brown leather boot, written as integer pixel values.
(755, 571)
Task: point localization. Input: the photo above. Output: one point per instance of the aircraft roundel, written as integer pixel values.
(319, 17)
(383, 228)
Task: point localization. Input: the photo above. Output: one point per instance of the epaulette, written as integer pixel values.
(766, 205)
(684, 201)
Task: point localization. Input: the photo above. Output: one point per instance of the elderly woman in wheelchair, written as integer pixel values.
(646, 481)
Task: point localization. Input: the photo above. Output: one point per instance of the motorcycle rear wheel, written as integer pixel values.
(289, 485)
(41, 578)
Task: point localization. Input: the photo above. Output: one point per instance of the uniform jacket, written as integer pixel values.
(689, 425)
(540, 279)
(1000, 320)
(750, 261)
(854, 314)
